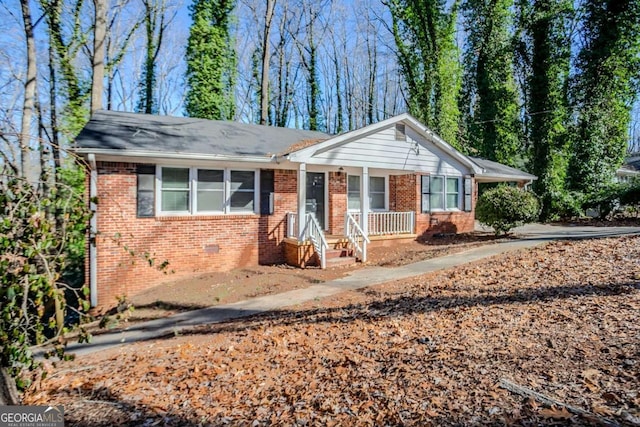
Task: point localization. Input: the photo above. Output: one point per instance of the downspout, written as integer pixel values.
(93, 231)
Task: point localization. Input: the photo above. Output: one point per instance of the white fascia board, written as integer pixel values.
(504, 178)
(627, 172)
(443, 145)
(160, 157)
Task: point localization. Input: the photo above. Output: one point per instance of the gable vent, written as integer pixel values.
(401, 134)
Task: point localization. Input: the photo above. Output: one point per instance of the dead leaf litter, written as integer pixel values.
(561, 320)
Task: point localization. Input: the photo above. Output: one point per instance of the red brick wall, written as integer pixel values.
(189, 243)
(196, 244)
(337, 202)
(405, 195)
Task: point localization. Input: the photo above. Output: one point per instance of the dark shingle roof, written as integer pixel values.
(493, 169)
(111, 130)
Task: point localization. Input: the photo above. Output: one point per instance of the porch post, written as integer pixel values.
(302, 199)
(364, 206)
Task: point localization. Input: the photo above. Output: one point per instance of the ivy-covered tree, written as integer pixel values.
(546, 28)
(608, 70)
(155, 25)
(211, 61)
(493, 122)
(424, 33)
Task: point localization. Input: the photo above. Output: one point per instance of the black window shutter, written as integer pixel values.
(468, 191)
(426, 193)
(266, 191)
(146, 190)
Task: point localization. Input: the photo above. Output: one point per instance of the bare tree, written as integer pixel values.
(29, 91)
(287, 70)
(266, 58)
(120, 34)
(97, 61)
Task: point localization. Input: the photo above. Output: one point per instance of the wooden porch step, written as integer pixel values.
(339, 257)
(337, 253)
(341, 261)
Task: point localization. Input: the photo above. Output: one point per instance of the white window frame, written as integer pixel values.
(444, 194)
(159, 189)
(193, 191)
(359, 184)
(194, 207)
(256, 191)
(386, 193)
(447, 192)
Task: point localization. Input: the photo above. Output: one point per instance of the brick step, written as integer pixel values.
(337, 253)
(341, 261)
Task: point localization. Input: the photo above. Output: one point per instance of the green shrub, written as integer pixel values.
(566, 205)
(505, 208)
(630, 194)
(605, 200)
(614, 198)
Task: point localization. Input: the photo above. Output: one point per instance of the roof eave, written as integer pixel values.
(504, 178)
(174, 156)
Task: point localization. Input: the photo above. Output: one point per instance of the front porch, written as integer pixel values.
(314, 247)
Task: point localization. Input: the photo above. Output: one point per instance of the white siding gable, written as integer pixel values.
(381, 150)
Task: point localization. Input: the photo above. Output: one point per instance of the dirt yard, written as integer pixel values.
(222, 288)
(466, 347)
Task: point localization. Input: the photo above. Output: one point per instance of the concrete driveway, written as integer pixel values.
(562, 231)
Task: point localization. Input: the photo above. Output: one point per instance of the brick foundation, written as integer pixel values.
(299, 254)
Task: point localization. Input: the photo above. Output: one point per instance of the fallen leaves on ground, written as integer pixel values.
(562, 320)
(194, 291)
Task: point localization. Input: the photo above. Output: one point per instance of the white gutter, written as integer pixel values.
(166, 155)
(93, 231)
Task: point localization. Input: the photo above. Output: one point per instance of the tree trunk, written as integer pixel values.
(266, 57)
(99, 37)
(8, 391)
(29, 90)
(53, 91)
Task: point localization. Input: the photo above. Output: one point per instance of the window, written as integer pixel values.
(453, 192)
(175, 189)
(242, 191)
(145, 194)
(440, 193)
(377, 193)
(353, 193)
(436, 198)
(210, 193)
(197, 191)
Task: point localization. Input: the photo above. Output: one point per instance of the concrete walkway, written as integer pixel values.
(528, 236)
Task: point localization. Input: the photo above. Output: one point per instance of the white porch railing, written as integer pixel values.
(356, 236)
(313, 232)
(385, 223)
(292, 224)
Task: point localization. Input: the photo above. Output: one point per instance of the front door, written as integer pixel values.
(315, 196)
